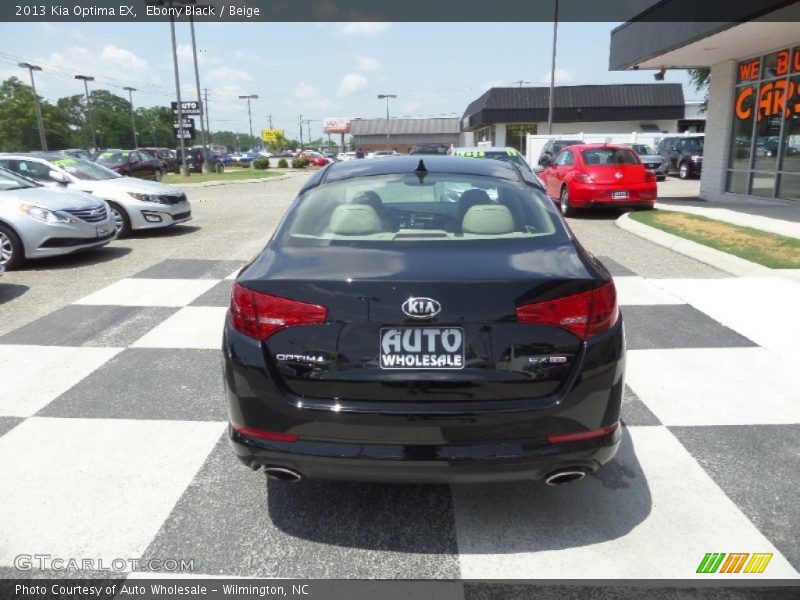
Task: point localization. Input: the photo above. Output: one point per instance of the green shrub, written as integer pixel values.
(261, 163)
(301, 162)
(243, 164)
(282, 164)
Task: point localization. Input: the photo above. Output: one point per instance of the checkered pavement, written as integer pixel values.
(112, 445)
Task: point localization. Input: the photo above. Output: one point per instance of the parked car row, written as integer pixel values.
(54, 203)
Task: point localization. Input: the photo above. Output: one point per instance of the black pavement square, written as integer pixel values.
(219, 295)
(615, 268)
(148, 383)
(667, 326)
(78, 325)
(190, 268)
(232, 522)
(757, 467)
(8, 423)
(634, 411)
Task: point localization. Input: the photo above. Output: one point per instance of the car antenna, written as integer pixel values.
(421, 171)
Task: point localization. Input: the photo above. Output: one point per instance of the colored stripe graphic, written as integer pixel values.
(710, 562)
(758, 563)
(734, 562)
(713, 562)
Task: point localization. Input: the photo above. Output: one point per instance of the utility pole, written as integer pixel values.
(184, 169)
(552, 73)
(205, 110)
(388, 123)
(300, 119)
(39, 120)
(520, 82)
(86, 79)
(133, 118)
(206, 168)
(269, 119)
(249, 97)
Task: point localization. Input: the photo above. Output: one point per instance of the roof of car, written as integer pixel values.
(40, 155)
(409, 164)
(506, 149)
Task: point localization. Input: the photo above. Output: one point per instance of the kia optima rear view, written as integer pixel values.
(424, 319)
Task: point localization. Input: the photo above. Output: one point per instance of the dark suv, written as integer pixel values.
(196, 156)
(683, 155)
(553, 147)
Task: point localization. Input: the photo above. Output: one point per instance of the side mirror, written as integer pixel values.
(673, 149)
(544, 160)
(58, 177)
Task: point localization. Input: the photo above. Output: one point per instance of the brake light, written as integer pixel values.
(259, 315)
(584, 435)
(649, 176)
(276, 436)
(586, 314)
(582, 177)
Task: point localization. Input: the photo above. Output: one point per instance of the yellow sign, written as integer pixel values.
(271, 135)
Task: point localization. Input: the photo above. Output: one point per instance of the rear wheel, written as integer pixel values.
(566, 207)
(12, 252)
(683, 170)
(122, 222)
(157, 175)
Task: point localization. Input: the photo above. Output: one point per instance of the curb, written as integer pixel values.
(215, 183)
(720, 260)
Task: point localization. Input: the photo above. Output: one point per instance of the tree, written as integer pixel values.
(19, 131)
(700, 79)
(110, 116)
(154, 125)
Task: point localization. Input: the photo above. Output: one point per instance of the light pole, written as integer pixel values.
(249, 114)
(206, 168)
(388, 127)
(183, 168)
(552, 73)
(86, 79)
(130, 91)
(39, 120)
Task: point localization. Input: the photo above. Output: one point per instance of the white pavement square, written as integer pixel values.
(150, 292)
(33, 376)
(191, 327)
(656, 519)
(763, 309)
(639, 291)
(98, 488)
(720, 386)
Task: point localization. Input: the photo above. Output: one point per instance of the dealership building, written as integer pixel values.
(403, 134)
(752, 132)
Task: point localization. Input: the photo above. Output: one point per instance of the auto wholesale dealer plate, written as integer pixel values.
(104, 230)
(619, 195)
(422, 348)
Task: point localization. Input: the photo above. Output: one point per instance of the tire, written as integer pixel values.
(157, 175)
(683, 170)
(122, 221)
(12, 252)
(566, 208)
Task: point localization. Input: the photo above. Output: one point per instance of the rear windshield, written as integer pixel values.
(643, 149)
(109, 158)
(84, 169)
(399, 209)
(609, 156)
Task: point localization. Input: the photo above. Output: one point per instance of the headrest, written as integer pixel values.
(474, 196)
(355, 219)
(488, 219)
(370, 198)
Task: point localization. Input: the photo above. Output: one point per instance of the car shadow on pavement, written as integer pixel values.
(599, 214)
(415, 518)
(78, 259)
(10, 291)
(174, 231)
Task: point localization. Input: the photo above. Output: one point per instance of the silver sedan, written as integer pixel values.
(36, 222)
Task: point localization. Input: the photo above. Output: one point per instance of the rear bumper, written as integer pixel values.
(438, 441)
(588, 195)
(462, 463)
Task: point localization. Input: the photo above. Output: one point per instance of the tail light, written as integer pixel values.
(259, 315)
(276, 436)
(586, 314)
(566, 438)
(582, 177)
(649, 176)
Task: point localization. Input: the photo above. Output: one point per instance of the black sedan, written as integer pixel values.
(424, 319)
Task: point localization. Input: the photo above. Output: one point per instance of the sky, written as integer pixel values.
(318, 70)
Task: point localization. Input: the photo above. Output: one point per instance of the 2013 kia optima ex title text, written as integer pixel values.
(424, 321)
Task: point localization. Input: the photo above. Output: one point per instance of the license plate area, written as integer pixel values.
(104, 230)
(426, 348)
(620, 195)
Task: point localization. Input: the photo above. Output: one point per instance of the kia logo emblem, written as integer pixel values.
(618, 175)
(421, 308)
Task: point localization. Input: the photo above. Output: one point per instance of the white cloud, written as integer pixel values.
(562, 76)
(351, 83)
(494, 83)
(365, 63)
(366, 28)
(123, 57)
(306, 91)
(410, 108)
(48, 28)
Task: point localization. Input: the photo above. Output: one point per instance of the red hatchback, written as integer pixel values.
(599, 175)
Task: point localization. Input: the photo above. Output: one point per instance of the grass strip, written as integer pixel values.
(232, 174)
(767, 249)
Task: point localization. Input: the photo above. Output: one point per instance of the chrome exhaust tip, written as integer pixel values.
(565, 476)
(283, 474)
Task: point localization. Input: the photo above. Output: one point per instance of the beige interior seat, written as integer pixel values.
(355, 219)
(488, 219)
